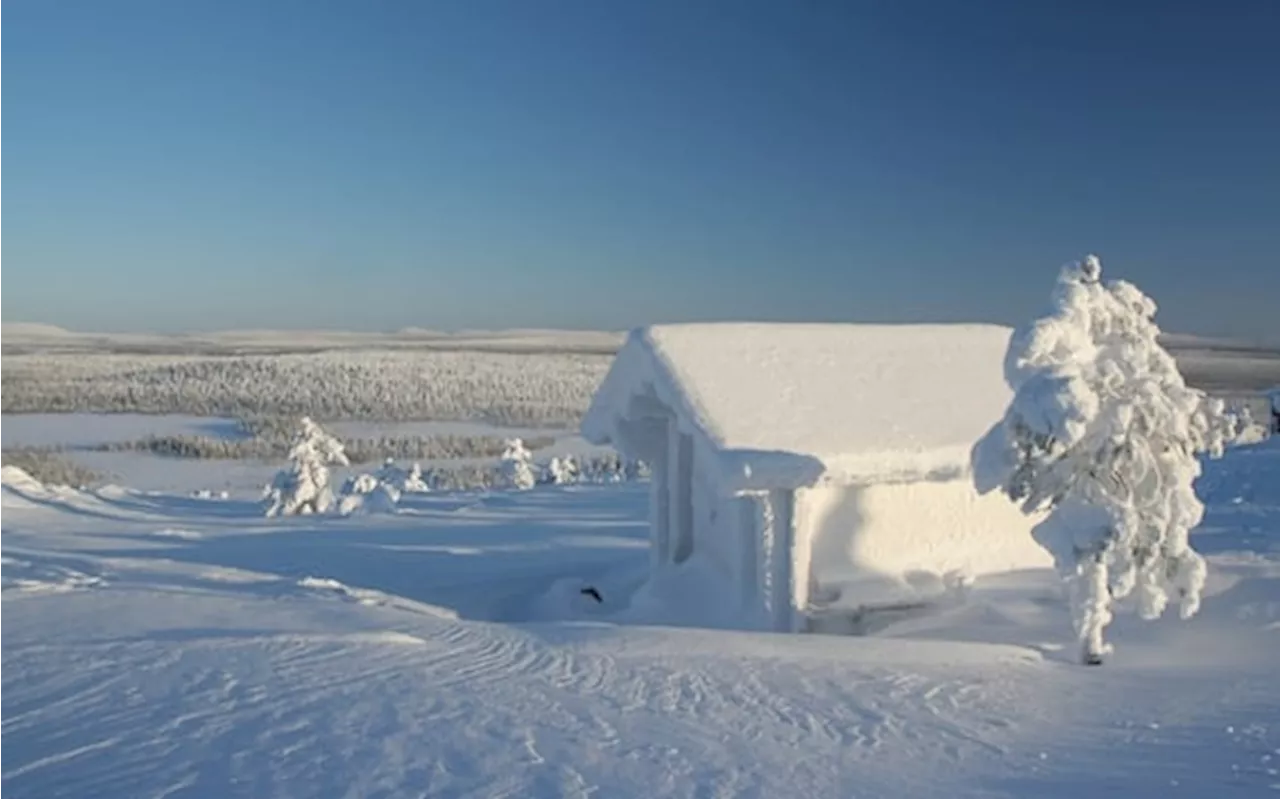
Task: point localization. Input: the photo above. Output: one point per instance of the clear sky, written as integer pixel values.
(210, 164)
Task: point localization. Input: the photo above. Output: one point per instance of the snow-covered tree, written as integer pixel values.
(303, 486)
(517, 465)
(414, 481)
(369, 493)
(1102, 436)
(562, 470)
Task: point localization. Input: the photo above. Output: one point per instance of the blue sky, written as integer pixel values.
(373, 165)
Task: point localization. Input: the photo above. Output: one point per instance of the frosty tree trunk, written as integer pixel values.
(1091, 608)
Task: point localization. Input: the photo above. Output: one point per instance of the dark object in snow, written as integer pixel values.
(1091, 659)
(591, 592)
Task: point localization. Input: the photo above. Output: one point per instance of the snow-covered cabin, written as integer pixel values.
(802, 464)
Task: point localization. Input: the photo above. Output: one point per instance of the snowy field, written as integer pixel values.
(159, 645)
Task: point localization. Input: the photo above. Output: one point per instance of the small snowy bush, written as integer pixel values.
(1102, 434)
(517, 466)
(414, 481)
(561, 471)
(369, 493)
(303, 486)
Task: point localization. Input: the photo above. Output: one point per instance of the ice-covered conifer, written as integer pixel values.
(414, 481)
(303, 486)
(517, 465)
(1102, 435)
(562, 470)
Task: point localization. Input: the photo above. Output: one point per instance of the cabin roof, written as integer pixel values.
(787, 405)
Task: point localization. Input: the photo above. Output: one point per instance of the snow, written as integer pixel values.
(92, 429)
(157, 644)
(786, 405)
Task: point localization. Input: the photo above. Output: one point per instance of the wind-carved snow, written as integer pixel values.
(28, 577)
(425, 654)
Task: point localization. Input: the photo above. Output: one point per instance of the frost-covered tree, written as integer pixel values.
(1102, 436)
(303, 486)
(561, 471)
(369, 493)
(414, 481)
(517, 465)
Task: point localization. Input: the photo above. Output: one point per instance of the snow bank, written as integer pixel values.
(18, 480)
(786, 405)
(687, 595)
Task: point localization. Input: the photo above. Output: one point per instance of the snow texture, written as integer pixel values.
(790, 405)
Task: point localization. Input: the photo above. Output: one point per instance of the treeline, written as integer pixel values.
(530, 389)
(606, 468)
(51, 466)
(273, 445)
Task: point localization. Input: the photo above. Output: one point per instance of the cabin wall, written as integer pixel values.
(747, 541)
(715, 533)
(875, 543)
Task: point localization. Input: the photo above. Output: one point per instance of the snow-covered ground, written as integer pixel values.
(92, 429)
(159, 645)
